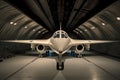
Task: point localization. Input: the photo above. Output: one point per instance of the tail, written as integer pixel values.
(60, 29)
(60, 26)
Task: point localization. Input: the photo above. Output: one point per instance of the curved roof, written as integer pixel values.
(30, 19)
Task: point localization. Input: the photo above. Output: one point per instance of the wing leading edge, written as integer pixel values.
(42, 42)
(77, 42)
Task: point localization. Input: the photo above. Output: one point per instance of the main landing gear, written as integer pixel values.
(80, 56)
(40, 55)
(60, 63)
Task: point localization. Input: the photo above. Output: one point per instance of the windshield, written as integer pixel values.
(60, 34)
(63, 35)
(56, 35)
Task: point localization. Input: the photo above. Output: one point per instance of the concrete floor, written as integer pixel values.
(95, 67)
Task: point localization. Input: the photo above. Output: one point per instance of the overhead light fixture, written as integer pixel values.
(15, 24)
(25, 27)
(92, 27)
(74, 30)
(34, 30)
(39, 31)
(81, 32)
(85, 30)
(103, 23)
(42, 32)
(118, 18)
(77, 32)
(11, 22)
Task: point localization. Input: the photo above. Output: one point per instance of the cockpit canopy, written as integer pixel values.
(60, 34)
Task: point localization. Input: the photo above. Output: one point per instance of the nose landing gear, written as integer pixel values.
(60, 66)
(60, 63)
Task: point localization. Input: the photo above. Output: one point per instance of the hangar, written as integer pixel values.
(39, 19)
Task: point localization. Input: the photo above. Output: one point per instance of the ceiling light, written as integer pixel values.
(34, 30)
(15, 24)
(92, 27)
(11, 22)
(25, 27)
(118, 18)
(43, 32)
(39, 31)
(85, 30)
(77, 32)
(103, 23)
(74, 30)
(80, 31)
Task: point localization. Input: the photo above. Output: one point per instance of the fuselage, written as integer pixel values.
(60, 42)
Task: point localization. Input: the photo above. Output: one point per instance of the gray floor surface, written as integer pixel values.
(95, 67)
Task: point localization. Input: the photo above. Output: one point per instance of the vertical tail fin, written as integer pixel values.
(60, 26)
(60, 30)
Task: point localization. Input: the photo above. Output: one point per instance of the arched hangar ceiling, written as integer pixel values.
(104, 25)
(33, 18)
(16, 25)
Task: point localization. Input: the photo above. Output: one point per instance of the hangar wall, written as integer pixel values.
(112, 49)
(103, 26)
(16, 25)
(112, 16)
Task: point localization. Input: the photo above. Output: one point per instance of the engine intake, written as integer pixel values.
(79, 49)
(40, 49)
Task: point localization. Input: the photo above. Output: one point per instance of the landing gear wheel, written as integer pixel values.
(60, 66)
(40, 55)
(80, 56)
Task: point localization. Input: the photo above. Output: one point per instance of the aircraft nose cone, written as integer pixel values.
(60, 47)
(60, 44)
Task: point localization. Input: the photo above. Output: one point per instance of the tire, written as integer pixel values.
(60, 67)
